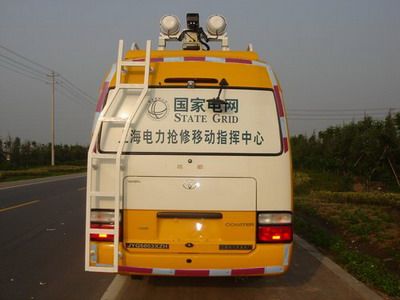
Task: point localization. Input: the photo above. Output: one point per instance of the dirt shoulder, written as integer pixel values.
(362, 236)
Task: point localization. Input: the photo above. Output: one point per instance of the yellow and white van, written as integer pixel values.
(189, 167)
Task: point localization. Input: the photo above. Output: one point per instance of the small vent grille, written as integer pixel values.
(235, 247)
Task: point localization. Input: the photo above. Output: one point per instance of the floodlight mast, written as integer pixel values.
(216, 32)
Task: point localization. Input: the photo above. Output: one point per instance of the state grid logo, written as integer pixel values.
(157, 108)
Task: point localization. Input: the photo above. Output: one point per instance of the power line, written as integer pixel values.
(24, 74)
(73, 98)
(319, 119)
(37, 72)
(67, 96)
(23, 68)
(32, 75)
(69, 93)
(20, 68)
(27, 59)
(75, 94)
(90, 98)
(23, 65)
(341, 115)
(327, 119)
(324, 119)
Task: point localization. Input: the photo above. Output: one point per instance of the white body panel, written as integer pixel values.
(271, 173)
(181, 121)
(264, 162)
(197, 193)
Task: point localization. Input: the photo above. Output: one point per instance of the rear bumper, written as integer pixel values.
(266, 259)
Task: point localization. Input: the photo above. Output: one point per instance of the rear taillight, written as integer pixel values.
(102, 219)
(275, 234)
(274, 227)
(102, 237)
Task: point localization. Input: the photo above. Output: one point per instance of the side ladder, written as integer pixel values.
(92, 192)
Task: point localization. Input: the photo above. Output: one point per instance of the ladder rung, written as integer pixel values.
(113, 120)
(103, 156)
(101, 231)
(130, 63)
(102, 194)
(132, 86)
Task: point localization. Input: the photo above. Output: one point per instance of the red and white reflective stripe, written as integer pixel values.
(238, 61)
(194, 58)
(104, 89)
(281, 110)
(286, 255)
(103, 95)
(203, 273)
(207, 59)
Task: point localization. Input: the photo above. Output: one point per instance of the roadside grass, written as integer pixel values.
(306, 182)
(374, 198)
(360, 231)
(47, 171)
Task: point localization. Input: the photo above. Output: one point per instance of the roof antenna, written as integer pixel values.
(216, 102)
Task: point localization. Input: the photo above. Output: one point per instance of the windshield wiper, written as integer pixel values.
(218, 101)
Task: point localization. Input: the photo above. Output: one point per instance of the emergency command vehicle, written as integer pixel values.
(189, 166)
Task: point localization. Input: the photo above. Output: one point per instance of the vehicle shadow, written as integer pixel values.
(298, 283)
(303, 266)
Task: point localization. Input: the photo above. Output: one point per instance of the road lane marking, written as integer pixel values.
(18, 205)
(81, 189)
(115, 287)
(16, 184)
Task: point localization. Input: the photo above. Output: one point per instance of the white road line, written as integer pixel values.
(24, 183)
(355, 284)
(115, 287)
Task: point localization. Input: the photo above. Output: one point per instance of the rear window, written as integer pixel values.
(174, 121)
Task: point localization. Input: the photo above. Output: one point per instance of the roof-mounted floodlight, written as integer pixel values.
(193, 37)
(216, 25)
(169, 25)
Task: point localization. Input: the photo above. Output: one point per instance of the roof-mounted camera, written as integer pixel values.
(192, 21)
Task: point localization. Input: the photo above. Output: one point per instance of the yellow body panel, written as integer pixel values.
(263, 255)
(206, 235)
(143, 227)
(237, 74)
(248, 55)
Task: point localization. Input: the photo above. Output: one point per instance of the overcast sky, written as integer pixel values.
(329, 55)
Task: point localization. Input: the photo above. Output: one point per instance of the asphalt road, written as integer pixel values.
(42, 257)
(308, 279)
(42, 243)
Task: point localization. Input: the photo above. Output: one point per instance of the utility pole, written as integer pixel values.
(53, 75)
